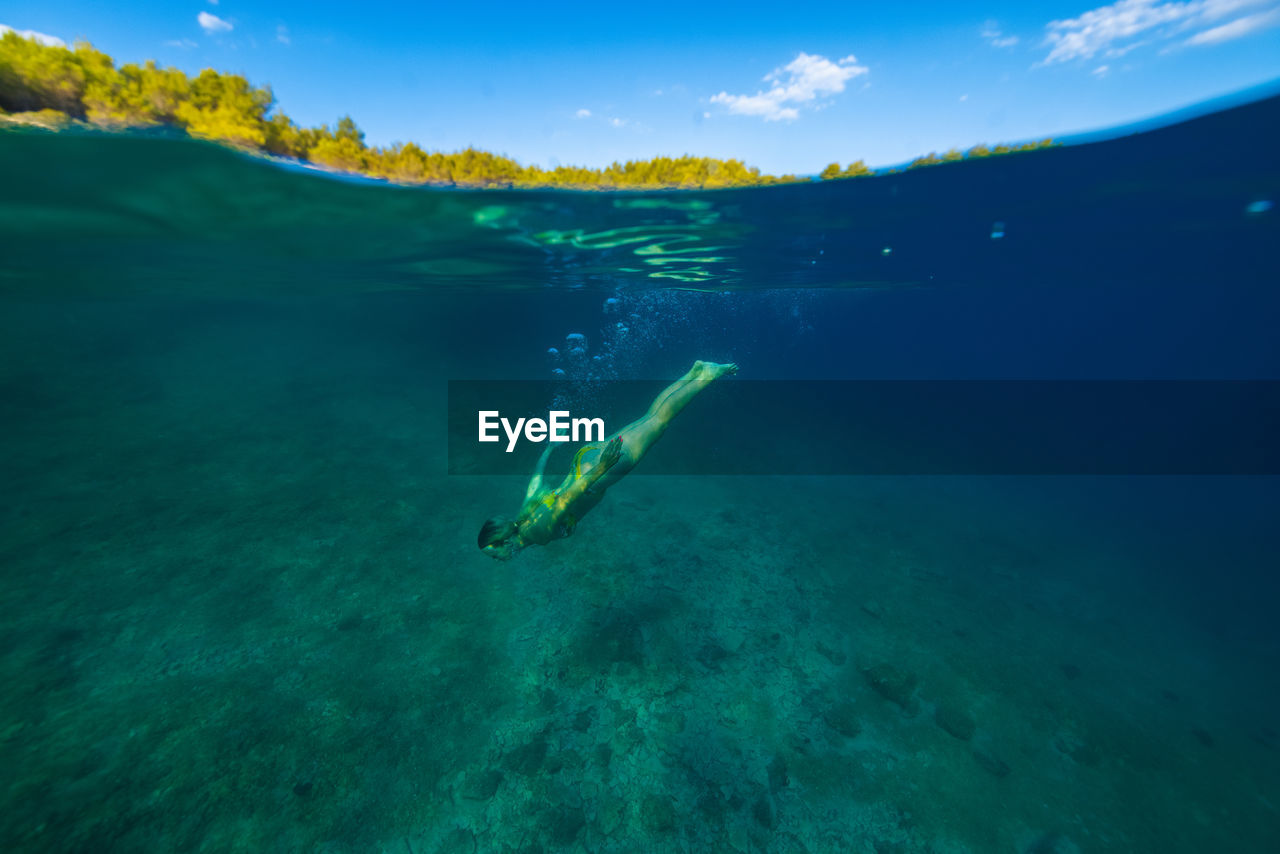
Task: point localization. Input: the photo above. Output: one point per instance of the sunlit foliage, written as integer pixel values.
(53, 86)
(855, 169)
(953, 155)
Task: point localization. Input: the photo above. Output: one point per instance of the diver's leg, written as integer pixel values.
(640, 434)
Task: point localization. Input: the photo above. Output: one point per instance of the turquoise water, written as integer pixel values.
(243, 606)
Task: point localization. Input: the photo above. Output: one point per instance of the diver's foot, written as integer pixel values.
(713, 370)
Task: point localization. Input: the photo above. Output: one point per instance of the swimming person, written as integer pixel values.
(549, 514)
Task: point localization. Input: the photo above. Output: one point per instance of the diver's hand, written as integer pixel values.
(611, 454)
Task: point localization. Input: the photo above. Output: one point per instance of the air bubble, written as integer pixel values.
(1261, 206)
(997, 230)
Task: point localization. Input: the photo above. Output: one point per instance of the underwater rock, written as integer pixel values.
(671, 723)
(528, 758)
(457, 841)
(892, 684)
(657, 814)
(619, 639)
(711, 803)
(1052, 843)
(351, 622)
(873, 608)
(843, 718)
(992, 763)
(954, 721)
(1203, 737)
(583, 720)
(1071, 671)
(732, 637)
(778, 774)
(800, 743)
(547, 700)
(610, 813)
(481, 786)
(729, 516)
(711, 655)
(1069, 743)
(763, 812)
(888, 846)
(831, 654)
(563, 824)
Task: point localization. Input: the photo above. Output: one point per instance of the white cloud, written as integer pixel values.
(1119, 28)
(964, 97)
(282, 34)
(213, 24)
(185, 44)
(1237, 28)
(616, 122)
(46, 40)
(797, 84)
(584, 113)
(991, 33)
(1101, 71)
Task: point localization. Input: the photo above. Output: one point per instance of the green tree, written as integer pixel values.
(135, 95)
(51, 86)
(930, 159)
(225, 107)
(342, 148)
(34, 76)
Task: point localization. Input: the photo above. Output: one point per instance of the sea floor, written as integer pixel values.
(244, 610)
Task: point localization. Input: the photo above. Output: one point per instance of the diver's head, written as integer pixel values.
(498, 538)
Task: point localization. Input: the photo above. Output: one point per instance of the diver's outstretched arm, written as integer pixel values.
(535, 483)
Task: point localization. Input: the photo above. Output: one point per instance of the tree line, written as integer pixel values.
(55, 86)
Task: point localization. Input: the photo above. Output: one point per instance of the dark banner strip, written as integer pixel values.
(746, 427)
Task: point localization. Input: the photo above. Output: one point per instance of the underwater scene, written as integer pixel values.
(245, 607)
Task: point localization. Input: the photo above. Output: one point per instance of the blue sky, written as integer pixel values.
(788, 87)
